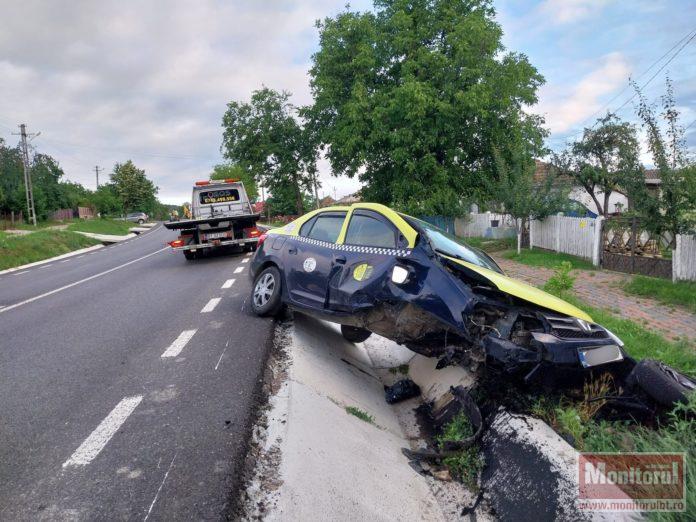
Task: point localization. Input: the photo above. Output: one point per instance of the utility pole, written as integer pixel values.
(96, 170)
(27, 172)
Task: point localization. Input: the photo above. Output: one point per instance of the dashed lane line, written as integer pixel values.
(245, 260)
(238, 269)
(228, 283)
(99, 438)
(45, 266)
(179, 343)
(55, 291)
(20, 273)
(210, 306)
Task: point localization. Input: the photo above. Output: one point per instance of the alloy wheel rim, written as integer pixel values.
(264, 290)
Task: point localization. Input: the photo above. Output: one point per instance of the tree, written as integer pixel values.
(106, 200)
(414, 97)
(132, 187)
(605, 160)
(231, 171)
(673, 207)
(266, 139)
(518, 194)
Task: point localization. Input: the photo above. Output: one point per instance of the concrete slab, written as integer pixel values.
(106, 238)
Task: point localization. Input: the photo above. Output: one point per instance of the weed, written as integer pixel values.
(561, 281)
(360, 414)
(467, 463)
(402, 369)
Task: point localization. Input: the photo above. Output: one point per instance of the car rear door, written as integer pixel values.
(310, 258)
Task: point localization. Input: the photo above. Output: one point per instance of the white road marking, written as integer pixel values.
(160, 487)
(238, 269)
(20, 273)
(249, 254)
(228, 283)
(96, 441)
(45, 266)
(223, 353)
(179, 343)
(78, 257)
(245, 260)
(64, 261)
(1, 307)
(211, 305)
(36, 298)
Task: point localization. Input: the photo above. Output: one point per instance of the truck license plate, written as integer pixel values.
(216, 235)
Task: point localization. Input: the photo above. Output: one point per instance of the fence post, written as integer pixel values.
(531, 233)
(558, 231)
(676, 257)
(597, 240)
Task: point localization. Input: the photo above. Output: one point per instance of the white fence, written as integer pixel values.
(684, 259)
(478, 225)
(579, 237)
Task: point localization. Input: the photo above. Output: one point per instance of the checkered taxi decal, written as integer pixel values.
(397, 252)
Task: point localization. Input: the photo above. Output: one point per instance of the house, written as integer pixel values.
(355, 197)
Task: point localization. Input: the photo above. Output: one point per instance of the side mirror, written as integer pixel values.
(399, 275)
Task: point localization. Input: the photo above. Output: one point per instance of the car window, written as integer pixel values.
(326, 227)
(364, 230)
(307, 226)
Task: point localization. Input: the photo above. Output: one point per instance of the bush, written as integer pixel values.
(561, 282)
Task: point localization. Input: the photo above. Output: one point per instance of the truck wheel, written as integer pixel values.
(265, 294)
(190, 256)
(355, 334)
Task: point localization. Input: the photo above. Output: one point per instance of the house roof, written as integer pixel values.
(652, 177)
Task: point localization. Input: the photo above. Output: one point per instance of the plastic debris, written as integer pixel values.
(400, 391)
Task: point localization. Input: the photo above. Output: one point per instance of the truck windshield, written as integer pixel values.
(450, 245)
(209, 197)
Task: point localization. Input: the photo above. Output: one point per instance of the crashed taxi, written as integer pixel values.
(372, 269)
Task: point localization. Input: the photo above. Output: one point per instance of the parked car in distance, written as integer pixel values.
(137, 217)
(371, 269)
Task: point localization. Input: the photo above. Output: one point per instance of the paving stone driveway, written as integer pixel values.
(602, 289)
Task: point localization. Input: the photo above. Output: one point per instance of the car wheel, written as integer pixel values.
(141, 221)
(266, 292)
(355, 334)
(190, 256)
(663, 384)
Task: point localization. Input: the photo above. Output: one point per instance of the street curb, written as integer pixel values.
(51, 259)
(106, 238)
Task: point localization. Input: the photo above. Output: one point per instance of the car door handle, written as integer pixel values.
(341, 260)
(292, 250)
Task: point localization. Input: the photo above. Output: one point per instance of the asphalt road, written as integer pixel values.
(126, 389)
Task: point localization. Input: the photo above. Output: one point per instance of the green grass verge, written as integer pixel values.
(466, 464)
(491, 245)
(102, 226)
(682, 293)
(18, 250)
(548, 259)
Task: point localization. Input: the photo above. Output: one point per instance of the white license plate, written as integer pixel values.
(600, 355)
(216, 235)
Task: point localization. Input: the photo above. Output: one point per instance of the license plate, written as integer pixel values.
(216, 235)
(600, 355)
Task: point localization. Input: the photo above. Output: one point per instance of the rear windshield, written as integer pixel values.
(227, 195)
(450, 245)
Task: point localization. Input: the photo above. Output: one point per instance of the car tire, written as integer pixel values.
(190, 256)
(355, 334)
(663, 384)
(266, 293)
(141, 221)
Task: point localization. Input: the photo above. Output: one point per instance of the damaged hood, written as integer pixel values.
(523, 290)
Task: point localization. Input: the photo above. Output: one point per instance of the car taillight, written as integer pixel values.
(262, 238)
(252, 232)
(176, 243)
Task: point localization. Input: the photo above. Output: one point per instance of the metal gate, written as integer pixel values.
(628, 247)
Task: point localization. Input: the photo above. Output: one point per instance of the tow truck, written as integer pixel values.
(221, 216)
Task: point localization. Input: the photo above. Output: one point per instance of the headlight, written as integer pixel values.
(614, 337)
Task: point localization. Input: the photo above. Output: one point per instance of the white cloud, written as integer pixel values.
(567, 11)
(565, 107)
(112, 80)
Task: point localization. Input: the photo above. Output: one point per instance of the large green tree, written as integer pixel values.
(231, 171)
(414, 98)
(266, 138)
(136, 192)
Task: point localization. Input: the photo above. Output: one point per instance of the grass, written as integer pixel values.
(19, 250)
(681, 293)
(402, 369)
(491, 245)
(102, 226)
(360, 414)
(547, 259)
(466, 465)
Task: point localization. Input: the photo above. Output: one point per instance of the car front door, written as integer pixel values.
(310, 258)
(369, 250)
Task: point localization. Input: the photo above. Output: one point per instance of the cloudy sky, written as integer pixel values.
(111, 80)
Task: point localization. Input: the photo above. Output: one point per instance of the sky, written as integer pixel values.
(109, 81)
